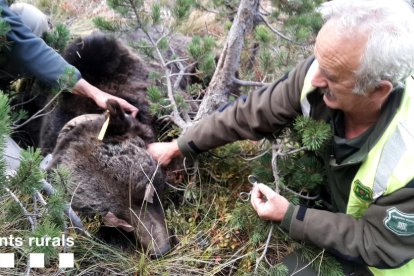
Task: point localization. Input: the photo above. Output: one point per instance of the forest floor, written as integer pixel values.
(214, 231)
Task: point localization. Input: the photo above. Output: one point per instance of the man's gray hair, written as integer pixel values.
(389, 52)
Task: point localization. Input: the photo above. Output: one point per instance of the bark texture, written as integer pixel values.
(217, 92)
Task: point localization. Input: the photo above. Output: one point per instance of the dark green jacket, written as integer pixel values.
(267, 111)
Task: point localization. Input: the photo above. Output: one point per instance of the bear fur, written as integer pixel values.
(116, 177)
(104, 62)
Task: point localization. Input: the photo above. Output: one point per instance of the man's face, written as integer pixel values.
(338, 57)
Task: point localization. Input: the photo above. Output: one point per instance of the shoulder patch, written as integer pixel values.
(399, 223)
(362, 191)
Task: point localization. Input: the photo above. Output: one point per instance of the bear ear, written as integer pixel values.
(114, 108)
(77, 121)
(119, 122)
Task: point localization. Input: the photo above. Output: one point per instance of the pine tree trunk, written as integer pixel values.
(217, 92)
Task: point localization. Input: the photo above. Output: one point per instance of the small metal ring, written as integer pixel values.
(244, 196)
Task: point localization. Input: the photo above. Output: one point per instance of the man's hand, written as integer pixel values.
(268, 204)
(164, 152)
(84, 88)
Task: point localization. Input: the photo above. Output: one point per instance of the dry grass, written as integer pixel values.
(202, 23)
(77, 15)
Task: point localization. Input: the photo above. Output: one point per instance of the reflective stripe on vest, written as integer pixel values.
(385, 168)
(307, 87)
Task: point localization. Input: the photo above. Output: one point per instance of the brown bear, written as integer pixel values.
(115, 177)
(104, 62)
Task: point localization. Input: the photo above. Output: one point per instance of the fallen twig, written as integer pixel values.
(269, 236)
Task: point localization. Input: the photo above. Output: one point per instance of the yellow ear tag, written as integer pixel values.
(104, 127)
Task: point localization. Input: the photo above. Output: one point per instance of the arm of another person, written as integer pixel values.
(35, 58)
(260, 114)
(366, 241)
(84, 88)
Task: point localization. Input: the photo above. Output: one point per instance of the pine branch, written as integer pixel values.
(39, 113)
(177, 82)
(257, 156)
(314, 259)
(182, 73)
(299, 194)
(25, 212)
(276, 152)
(65, 234)
(178, 60)
(135, 10)
(35, 210)
(175, 117)
(263, 10)
(40, 198)
(13, 107)
(49, 190)
(269, 236)
(73, 217)
(279, 33)
(294, 151)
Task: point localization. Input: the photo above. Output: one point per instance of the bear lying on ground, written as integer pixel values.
(104, 62)
(110, 177)
(116, 177)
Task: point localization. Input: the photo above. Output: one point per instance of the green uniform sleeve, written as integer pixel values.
(263, 112)
(367, 240)
(30, 54)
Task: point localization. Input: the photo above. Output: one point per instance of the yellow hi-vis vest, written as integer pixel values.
(385, 168)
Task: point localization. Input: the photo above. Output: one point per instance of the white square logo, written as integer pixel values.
(66, 260)
(6, 260)
(37, 260)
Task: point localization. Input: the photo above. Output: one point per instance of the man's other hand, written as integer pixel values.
(268, 204)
